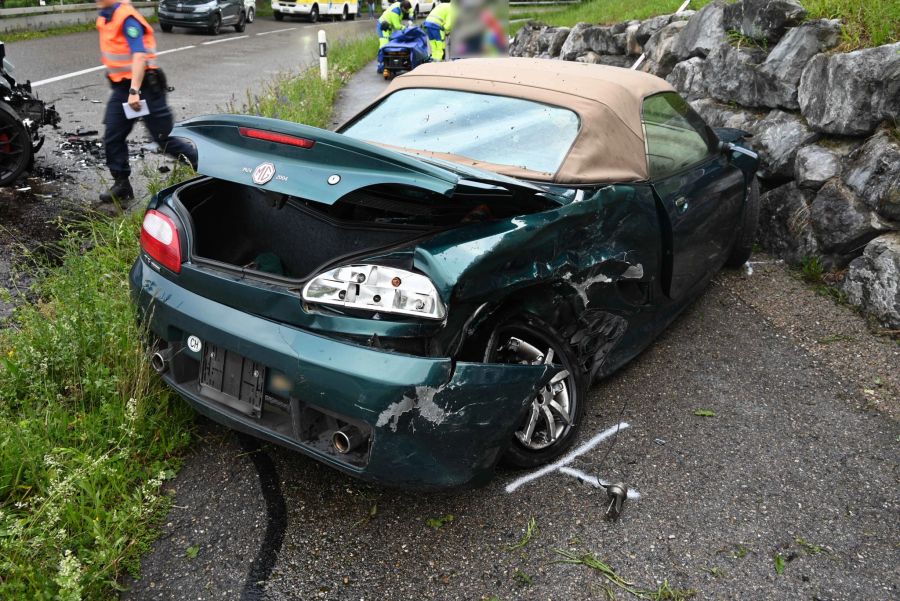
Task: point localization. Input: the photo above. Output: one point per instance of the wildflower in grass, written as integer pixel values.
(69, 577)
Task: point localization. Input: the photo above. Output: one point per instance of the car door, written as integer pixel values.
(701, 194)
(229, 13)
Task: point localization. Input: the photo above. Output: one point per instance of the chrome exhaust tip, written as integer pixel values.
(346, 439)
(160, 361)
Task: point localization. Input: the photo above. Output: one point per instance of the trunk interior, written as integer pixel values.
(249, 228)
(270, 232)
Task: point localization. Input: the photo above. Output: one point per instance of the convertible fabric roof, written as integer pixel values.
(610, 144)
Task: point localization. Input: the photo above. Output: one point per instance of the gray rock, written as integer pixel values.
(842, 222)
(763, 19)
(584, 38)
(687, 78)
(554, 40)
(815, 165)
(873, 280)
(784, 225)
(651, 26)
(732, 75)
(719, 115)
(605, 59)
(704, 32)
(873, 172)
(660, 49)
(632, 46)
(785, 63)
(778, 137)
(526, 40)
(850, 94)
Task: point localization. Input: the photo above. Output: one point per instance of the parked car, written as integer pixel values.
(250, 7)
(434, 287)
(419, 8)
(211, 15)
(312, 11)
(22, 115)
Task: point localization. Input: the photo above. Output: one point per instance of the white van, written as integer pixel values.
(312, 10)
(419, 8)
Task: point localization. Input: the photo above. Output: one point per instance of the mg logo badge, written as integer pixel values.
(263, 173)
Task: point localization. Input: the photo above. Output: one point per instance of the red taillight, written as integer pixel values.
(271, 136)
(159, 239)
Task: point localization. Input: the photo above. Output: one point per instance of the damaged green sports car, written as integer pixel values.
(433, 288)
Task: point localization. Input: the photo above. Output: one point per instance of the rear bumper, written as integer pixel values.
(432, 422)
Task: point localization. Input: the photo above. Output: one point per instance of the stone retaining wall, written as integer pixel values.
(825, 123)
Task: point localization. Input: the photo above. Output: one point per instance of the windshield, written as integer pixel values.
(491, 129)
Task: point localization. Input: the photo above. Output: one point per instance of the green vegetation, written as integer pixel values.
(36, 34)
(664, 592)
(87, 434)
(438, 523)
(866, 22)
(530, 530)
(779, 563)
(704, 413)
(307, 98)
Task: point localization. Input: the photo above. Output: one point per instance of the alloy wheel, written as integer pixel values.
(15, 147)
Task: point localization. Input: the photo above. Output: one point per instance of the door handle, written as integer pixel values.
(681, 204)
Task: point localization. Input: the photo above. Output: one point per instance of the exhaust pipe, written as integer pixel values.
(347, 439)
(160, 361)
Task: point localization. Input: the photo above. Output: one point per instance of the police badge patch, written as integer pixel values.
(132, 31)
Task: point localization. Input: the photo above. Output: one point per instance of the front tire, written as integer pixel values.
(216, 25)
(241, 25)
(165, 27)
(552, 420)
(314, 14)
(251, 15)
(743, 244)
(15, 146)
(346, 13)
(278, 16)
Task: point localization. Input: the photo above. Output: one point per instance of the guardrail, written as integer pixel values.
(27, 18)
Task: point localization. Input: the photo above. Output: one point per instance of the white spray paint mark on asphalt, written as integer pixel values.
(594, 480)
(568, 458)
(238, 37)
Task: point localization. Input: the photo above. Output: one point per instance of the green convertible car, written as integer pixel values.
(433, 288)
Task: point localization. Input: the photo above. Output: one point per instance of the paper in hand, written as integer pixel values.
(130, 113)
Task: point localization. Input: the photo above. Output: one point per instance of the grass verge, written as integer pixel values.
(866, 22)
(87, 433)
(36, 34)
(307, 98)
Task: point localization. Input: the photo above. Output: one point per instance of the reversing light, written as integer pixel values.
(159, 239)
(271, 136)
(376, 288)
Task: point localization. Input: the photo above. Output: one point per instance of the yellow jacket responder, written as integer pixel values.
(114, 48)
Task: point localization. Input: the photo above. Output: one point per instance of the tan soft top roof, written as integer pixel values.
(610, 144)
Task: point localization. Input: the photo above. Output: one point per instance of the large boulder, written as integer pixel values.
(850, 94)
(721, 115)
(660, 49)
(873, 280)
(611, 60)
(703, 32)
(554, 38)
(687, 78)
(784, 65)
(763, 19)
(778, 138)
(815, 165)
(584, 38)
(646, 29)
(526, 40)
(784, 225)
(873, 173)
(632, 46)
(732, 75)
(842, 222)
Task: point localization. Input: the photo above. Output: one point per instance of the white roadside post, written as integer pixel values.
(641, 58)
(323, 55)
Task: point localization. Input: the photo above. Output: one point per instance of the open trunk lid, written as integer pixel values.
(322, 166)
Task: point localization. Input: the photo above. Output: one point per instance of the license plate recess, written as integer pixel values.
(233, 380)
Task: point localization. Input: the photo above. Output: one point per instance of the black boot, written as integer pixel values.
(119, 191)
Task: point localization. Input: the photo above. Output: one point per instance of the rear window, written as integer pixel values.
(492, 129)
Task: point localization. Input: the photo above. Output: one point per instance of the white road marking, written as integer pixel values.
(276, 31)
(238, 37)
(568, 458)
(594, 481)
(44, 82)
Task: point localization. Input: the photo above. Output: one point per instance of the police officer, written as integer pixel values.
(128, 50)
(438, 26)
(391, 20)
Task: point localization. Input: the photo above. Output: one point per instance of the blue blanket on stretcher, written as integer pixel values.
(413, 40)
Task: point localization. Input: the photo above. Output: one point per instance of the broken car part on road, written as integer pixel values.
(22, 115)
(414, 316)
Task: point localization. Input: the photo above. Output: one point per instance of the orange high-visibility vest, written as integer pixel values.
(114, 47)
